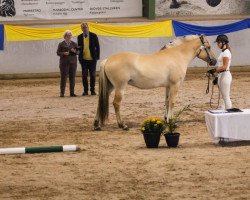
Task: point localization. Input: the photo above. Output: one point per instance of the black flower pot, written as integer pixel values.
(172, 139)
(152, 139)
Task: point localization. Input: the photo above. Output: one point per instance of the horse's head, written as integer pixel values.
(205, 53)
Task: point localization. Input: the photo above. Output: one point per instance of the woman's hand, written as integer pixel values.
(66, 53)
(211, 71)
(73, 50)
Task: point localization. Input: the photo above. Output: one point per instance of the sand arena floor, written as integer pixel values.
(114, 164)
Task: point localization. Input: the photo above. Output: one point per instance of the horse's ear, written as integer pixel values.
(202, 38)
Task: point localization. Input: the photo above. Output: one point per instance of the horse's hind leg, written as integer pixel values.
(97, 126)
(172, 98)
(117, 105)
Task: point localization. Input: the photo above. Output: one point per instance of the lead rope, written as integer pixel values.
(211, 98)
(209, 78)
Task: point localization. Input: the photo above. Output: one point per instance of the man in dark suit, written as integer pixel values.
(89, 54)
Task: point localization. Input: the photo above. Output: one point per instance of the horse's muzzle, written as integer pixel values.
(212, 62)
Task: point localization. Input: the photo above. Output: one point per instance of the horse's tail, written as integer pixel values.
(104, 91)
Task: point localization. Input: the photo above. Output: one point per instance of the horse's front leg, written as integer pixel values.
(172, 98)
(166, 103)
(117, 105)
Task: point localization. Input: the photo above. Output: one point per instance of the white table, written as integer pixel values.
(228, 126)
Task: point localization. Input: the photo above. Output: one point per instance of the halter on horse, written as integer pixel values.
(166, 68)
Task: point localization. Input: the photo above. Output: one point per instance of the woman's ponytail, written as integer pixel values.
(228, 47)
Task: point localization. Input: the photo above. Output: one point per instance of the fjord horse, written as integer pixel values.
(166, 68)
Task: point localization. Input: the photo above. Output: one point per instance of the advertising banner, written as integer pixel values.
(202, 7)
(13, 10)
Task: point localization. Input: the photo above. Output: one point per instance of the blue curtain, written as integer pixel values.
(182, 29)
(1, 37)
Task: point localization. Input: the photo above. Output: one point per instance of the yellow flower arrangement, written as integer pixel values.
(153, 125)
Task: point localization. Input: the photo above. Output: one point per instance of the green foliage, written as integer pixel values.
(171, 124)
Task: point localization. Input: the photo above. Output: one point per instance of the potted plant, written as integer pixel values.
(171, 136)
(152, 129)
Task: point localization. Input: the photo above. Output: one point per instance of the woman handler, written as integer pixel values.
(223, 70)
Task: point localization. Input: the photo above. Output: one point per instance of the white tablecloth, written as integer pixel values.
(228, 126)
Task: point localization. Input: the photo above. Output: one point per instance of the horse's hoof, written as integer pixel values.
(96, 123)
(98, 128)
(125, 128)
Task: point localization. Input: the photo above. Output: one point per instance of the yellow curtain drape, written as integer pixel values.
(20, 33)
(158, 29)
